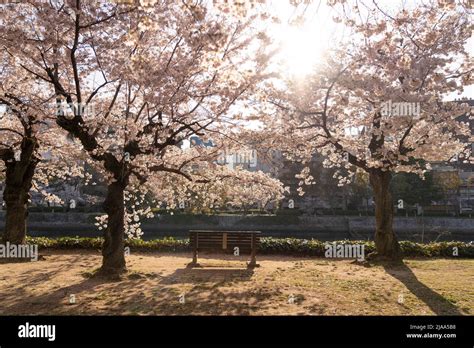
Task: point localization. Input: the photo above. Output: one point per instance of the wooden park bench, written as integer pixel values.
(225, 242)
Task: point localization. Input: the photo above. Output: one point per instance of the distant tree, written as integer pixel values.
(361, 192)
(415, 190)
(448, 183)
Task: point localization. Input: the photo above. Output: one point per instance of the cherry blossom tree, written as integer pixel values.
(27, 133)
(217, 187)
(377, 102)
(138, 81)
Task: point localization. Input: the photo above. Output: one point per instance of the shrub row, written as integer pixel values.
(62, 243)
(268, 245)
(312, 247)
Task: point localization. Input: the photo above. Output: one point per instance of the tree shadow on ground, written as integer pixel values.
(25, 302)
(208, 294)
(142, 293)
(204, 274)
(437, 303)
(33, 277)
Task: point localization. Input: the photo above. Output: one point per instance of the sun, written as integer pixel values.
(303, 35)
(300, 50)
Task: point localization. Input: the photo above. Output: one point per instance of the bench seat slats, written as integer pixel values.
(221, 239)
(225, 242)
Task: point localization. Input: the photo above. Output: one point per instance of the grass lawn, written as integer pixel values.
(222, 286)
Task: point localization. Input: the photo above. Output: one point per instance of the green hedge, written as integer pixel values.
(165, 244)
(268, 245)
(312, 247)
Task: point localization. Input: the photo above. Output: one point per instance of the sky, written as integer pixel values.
(302, 47)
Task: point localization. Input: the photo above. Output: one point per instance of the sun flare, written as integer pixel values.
(301, 49)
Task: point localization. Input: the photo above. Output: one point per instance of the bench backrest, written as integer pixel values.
(224, 241)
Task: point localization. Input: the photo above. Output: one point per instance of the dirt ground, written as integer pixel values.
(160, 284)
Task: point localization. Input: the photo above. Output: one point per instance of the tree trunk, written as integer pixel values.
(386, 242)
(16, 201)
(113, 262)
(18, 182)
